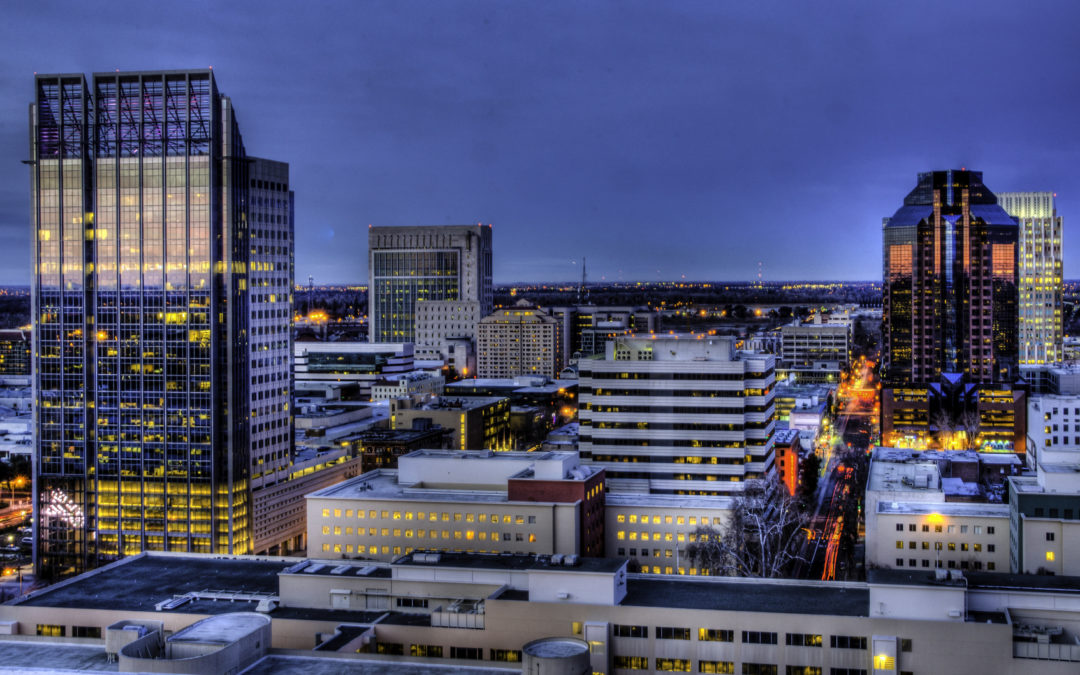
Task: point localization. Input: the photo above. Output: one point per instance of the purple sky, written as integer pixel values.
(659, 139)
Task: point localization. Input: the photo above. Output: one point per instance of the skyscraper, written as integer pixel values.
(950, 283)
(949, 354)
(407, 265)
(1040, 279)
(143, 333)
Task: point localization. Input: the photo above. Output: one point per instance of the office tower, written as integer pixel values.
(1040, 279)
(142, 328)
(270, 281)
(950, 276)
(677, 415)
(518, 340)
(407, 265)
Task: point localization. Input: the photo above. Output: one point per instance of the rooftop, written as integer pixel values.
(955, 509)
(750, 595)
(457, 403)
(140, 582)
(366, 664)
(504, 561)
(59, 657)
(666, 501)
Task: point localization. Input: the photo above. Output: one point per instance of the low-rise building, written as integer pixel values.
(919, 515)
(463, 501)
(476, 422)
(428, 609)
(15, 352)
(653, 531)
(518, 340)
(787, 445)
(814, 352)
(359, 363)
(417, 387)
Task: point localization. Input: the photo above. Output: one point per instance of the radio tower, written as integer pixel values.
(760, 269)
(311, 291)
(582, 292)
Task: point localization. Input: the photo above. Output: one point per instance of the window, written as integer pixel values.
(990, 566)
(1049, 556)
(803, 670)
(391, 648)
(668, 633)
(847, 642)
(899, 527)
(430, 651)
(619, 630)
(715, 635)
(758, 669)
(989, 548)
(510, 655)
(989, 529)
(754, 637)
(412, 602)
(673, 665)
(911, 527)
(937, 528)
(804, 639)
(899, 544)
(1049, 536)
(905, 644)
(925, 528)
(51, 630)
(470, 653)
(632, 662)
(86, 632)
(721, 667)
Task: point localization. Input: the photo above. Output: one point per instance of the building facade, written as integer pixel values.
(950, 283)
(439, 323)
(814, 352)
(671, 415)
(141, 308)
(518, 340)
(586, 329)
(475, 422)
(407, 265)
(515, 502)
(1040, 282)
(15, 352)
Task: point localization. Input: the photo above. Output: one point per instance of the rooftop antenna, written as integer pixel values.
(310, 292)
(760, 272)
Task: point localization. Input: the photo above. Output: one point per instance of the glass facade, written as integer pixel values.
(408, 265)
(950, 283)
(140, 294)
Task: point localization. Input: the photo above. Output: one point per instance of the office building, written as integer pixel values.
(15, 352)
(348, 369)
(518, 340)
(814, 352)
(429, 609)
(408, 265)
(950, 318)
(586, 329)
(440, 324)
(1040, 279)
(671, 414)
(950, 283)
(520, 502)
(142, 301)
(476, 422)
(653, 531)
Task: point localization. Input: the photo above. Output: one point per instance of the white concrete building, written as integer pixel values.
(440, 322)
(654, 530)
(671, 414)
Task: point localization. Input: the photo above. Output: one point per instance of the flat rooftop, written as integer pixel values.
(46, 656)
(956, 509)
(361, 665)
(493, 561)
(455, 403)
(140, 582)
(630, 499)
(383, 484)
(757, 595)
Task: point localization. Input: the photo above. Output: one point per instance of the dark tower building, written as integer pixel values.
(143, 345)
(950, 283)
(950, 321)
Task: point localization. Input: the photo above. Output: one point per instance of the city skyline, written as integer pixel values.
(660, 143)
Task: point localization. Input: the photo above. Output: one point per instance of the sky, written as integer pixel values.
(660, 140)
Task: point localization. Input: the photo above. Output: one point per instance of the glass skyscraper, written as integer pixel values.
(407, 265)
(950, 283)
(1041, 287)
(143, 265)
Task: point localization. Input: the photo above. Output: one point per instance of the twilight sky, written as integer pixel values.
(659, 139)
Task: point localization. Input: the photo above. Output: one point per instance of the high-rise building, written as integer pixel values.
(1040, 279)
(407, 265)
(518, 340)
(143, 300)
(950, 283)
(678, 415)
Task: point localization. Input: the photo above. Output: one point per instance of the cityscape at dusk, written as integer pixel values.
(562, 339)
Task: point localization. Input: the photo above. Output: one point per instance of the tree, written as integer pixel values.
(969, 423)
(762, 538)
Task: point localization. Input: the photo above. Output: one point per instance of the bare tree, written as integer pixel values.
(969, 423)
(762, 538)
(943, 422)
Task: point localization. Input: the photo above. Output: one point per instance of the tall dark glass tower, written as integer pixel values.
(141, 258)
(950, 283)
